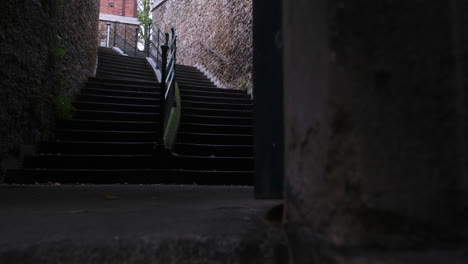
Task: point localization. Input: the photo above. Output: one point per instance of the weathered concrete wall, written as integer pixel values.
(47, 49)
(374, 120)
(224, 27)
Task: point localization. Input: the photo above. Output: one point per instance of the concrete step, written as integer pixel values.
(105, 135)
(111, 92)
(81, 124)
(122, 60)
(217, 112)
(123, 87)
(215, 139)
(216, 128)
(116, 69)
(116, 107)
(215, 99)
(115, 55)
(117, 99)
(220, 93)
(190, 82)
(197, 87)
(219, 120)
(212, 163)
(190, 74)
(216, 105)
(89, 162)
(112, 74)
(116, 116)
(191, 79)
(130, 176)
(140, 83)
(96, 148)
(198, 149)
(124, 66)
(138, 162)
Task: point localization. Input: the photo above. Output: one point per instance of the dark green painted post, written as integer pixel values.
(268, 92)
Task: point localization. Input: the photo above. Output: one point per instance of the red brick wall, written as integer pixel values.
(120, 7)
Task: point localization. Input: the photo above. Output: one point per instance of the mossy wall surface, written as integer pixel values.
(47, 48)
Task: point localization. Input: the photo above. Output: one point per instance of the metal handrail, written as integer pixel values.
(123, 41)
(168, 72)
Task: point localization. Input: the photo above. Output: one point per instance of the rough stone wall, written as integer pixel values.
(224, 27)
(374, 117)
(47, 48)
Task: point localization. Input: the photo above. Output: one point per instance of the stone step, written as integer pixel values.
(221, 93)
(96, 148)
(197, 87)
(216, 105)
(115, 116)
(130, 176)
(218, 112)
(214, 150)
(81, 124)
(111, 92)
(105, 135)
(186, 97)
(111, 74)
(137, 162)
(109, 68)
(117, 99)
(116, 107)
(215, 139)
(216, 128)
(140, 83)
(202, 119)
(124, 87)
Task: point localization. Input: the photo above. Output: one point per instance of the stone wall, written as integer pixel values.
(214, 34)
(47, 48)
(375, 122)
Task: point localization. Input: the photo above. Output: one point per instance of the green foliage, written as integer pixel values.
(55, 6)
(144, 16)
(63, 107)
(58, 52)
(243, 84)
(52, 6)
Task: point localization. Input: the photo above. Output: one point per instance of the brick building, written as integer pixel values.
(118, 23)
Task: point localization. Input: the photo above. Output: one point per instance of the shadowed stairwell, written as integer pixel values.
(113, 135)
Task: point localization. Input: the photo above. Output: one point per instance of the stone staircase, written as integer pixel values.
(112, 136)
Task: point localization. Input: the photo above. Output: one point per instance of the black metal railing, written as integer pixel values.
(155, 43)
(168, 73)
(124, 37)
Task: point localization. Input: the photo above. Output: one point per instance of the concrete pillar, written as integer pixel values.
(371, 120)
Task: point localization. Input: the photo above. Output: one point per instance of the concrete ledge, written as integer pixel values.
(131, 223)
(120, 19)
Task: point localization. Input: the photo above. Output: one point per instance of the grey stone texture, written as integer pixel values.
(215, 34)
(375, 122)
(47, 50)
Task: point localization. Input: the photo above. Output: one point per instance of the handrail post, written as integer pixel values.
(125, 39)
(159, 44)
(164, 49)
(136, 40)
(116, 24)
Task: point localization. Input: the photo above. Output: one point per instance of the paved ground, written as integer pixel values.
(115, 224)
